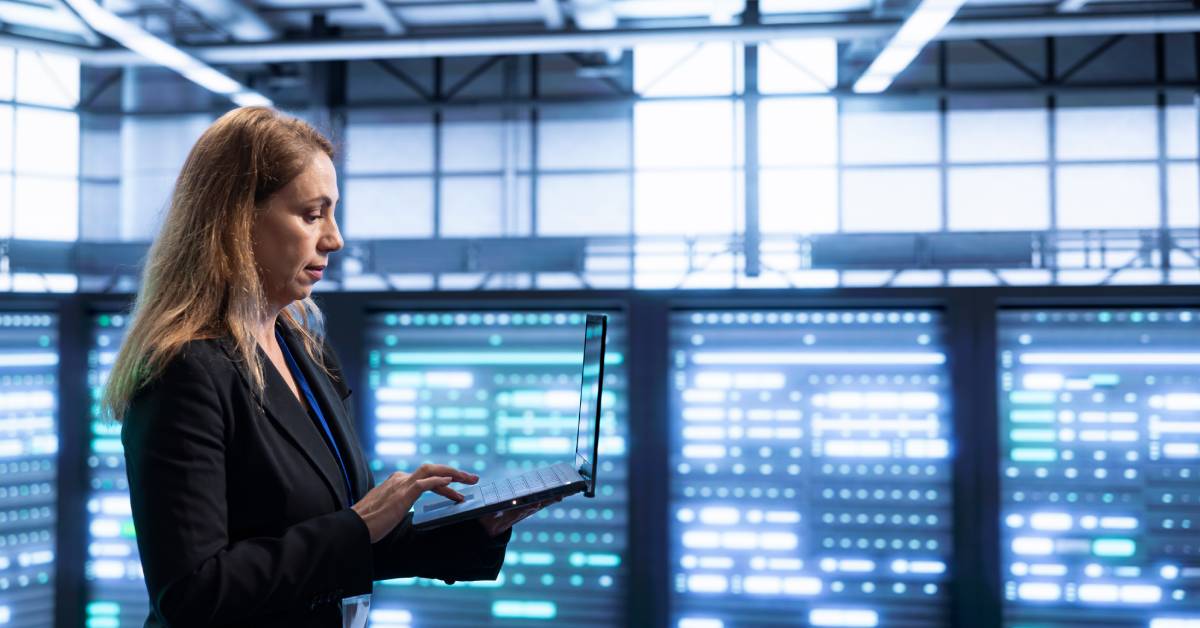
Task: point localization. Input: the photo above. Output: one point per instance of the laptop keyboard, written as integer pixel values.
(524, 484)
(513, 487)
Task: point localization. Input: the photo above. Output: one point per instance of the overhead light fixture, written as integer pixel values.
(594, 15)
(250, 99)
(1071, 6)
(725, 12)
(929, 18)
(158, 51)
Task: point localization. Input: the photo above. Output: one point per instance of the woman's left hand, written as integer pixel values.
(497, 523)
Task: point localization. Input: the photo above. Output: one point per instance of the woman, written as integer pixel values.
(251, 495)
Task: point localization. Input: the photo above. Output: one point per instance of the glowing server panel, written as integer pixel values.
(28, 463)
(497, 393)
(1100, 455)
(810, 469)
(116, 592)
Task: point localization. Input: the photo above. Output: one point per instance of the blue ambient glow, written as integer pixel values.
(810, 459)
(1100, 431)
(497, 393)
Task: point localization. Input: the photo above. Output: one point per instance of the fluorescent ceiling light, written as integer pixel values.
(923, 25)
(872, 84)
(1070, 6)
(929, 18)
(213, 80)
(594, 14)
(723, 12)
(654, 9)
(158, 51)
(894, 59)
(813, 6)
(250, 99)
(552, 13)
(718, 11)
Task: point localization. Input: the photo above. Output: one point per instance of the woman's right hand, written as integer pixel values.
(386, 505)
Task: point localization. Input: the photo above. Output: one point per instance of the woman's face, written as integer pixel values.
(294, 235)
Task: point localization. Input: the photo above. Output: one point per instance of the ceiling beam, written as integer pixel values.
(925, 22)
(552, 13)
(85, 31)
(386, 17)
(35, 17)
(235, 18)
(156, 51)
(576, 41)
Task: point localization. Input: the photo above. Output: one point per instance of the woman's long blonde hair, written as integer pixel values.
(200, 279)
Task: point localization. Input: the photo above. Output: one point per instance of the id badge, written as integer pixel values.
(355, 610)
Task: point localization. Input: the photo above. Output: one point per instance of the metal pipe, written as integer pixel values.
(557, 42)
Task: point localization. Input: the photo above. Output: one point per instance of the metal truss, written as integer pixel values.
(680, 261)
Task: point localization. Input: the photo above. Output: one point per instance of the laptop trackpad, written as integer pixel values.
(446, 503)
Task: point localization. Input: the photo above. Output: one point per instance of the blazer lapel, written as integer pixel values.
(330, 399)
(291, 418)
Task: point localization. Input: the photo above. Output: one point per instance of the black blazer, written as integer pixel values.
(240, 509)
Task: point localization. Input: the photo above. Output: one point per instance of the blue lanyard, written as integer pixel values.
(312, 402)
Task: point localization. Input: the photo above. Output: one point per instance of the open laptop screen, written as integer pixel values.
(589, 398)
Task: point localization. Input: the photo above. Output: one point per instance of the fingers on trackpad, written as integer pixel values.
(446, 503)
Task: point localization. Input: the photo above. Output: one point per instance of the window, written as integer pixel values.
(687, 69)
(585, 192)
(6, 212)
(471, 145)
(999, 198)
(891, 199)
(685, 154)
(1181, 132)
(46, 208)
(389, 208)
(47, 79)
(606, 134)
(584, 205)
(1128, 133)
(1108, 197)
(484, 206)
(153, 150)
(47, 142)
(997, 135)
(39, 147)
(6, 144)
(875, 135)
(797, 66)
(798, 201)
(684, 135)
(8, 58)
(379, 143)
(710, 202)
(797, 132)
(1183, 187)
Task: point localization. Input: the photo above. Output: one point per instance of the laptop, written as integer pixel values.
(547, 482)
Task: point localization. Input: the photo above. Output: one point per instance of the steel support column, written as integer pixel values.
(327, 112)
(73, 420)
(752, 238)
(1164, 216)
